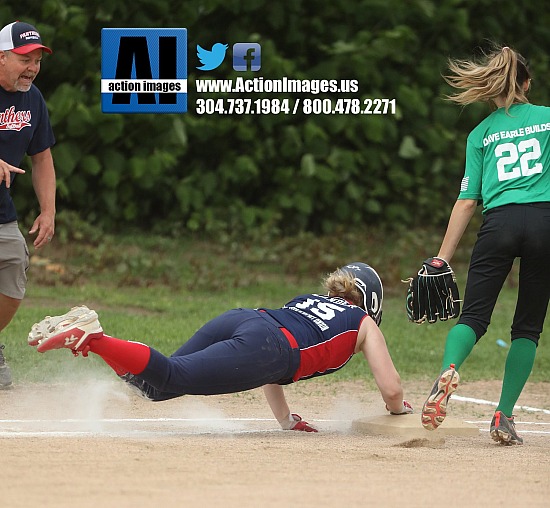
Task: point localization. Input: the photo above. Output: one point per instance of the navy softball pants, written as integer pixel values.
(240, 350)
(508, 232)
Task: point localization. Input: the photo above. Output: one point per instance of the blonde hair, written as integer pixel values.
(342, 283)
(501, 73)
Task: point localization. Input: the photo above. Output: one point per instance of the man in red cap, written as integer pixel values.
(24, 129)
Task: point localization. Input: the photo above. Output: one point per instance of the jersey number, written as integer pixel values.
(323, 310)
(508, 154)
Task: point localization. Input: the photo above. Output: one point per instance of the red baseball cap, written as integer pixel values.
(21, 38)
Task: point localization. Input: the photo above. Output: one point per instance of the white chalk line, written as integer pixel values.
(194, 432)
(491, 403)
(516, 422)
(128, 434)
(529, 409)
(523, 431)
(212, 427)
(154, 420)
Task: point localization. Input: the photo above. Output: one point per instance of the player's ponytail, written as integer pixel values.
(501, 73)
(342, 283)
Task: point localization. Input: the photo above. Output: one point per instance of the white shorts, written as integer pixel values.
(14, 261)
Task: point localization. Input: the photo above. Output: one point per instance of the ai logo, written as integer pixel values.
(144, 70)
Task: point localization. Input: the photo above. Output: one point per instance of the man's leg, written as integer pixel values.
(8, 308)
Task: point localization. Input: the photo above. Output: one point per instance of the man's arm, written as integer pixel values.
(43, 180)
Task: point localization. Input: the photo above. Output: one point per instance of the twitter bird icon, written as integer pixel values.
(211, 59)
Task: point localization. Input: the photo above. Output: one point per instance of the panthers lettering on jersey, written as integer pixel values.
(325, 330)
(24, 129)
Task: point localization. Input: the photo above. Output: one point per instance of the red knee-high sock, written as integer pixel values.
(121, 355)
(119, 371)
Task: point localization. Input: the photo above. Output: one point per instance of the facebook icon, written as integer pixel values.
(247, 56)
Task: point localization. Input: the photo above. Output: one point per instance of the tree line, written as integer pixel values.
(274, 173)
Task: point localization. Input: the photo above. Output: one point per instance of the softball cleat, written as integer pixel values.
(435, 407)
(40, 331)
(74, 331)
(503, 430)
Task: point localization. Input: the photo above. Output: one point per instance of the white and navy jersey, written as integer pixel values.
(325, 330)
(24, 129)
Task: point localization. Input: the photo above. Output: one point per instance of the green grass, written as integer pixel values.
(160, 291)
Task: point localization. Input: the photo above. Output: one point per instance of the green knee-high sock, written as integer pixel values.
(519, 364)
(460, 342)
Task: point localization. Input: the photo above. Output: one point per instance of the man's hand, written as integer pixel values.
(5, 170)
(44, 225)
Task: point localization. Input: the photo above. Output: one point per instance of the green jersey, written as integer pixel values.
(508, 158)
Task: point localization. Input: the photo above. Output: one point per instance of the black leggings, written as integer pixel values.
(508, 232)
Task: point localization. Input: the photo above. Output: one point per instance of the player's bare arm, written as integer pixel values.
(275, 396)
(461, 214)
(276, 399)
(371, 342)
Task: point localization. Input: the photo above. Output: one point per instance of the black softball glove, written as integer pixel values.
(433, 293)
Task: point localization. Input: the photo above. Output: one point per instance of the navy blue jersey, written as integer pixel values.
(325, 330)
(24, 129)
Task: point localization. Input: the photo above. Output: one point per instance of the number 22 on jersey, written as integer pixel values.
(509, 153)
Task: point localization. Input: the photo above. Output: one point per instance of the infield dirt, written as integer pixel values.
(95, 444)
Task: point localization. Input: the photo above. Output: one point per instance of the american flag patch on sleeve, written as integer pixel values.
(464, 184)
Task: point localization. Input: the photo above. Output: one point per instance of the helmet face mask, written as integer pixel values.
(370, 285)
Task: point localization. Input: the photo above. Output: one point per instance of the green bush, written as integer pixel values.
(273, 173)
